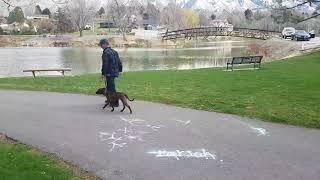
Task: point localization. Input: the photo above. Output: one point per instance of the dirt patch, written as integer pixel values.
(5, 138)
(92, 41)
(275, 48)
(11, 41)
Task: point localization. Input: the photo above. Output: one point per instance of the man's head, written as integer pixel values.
(104, 43)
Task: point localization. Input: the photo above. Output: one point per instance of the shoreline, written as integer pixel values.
(271, 49)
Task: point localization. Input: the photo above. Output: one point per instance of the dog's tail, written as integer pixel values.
(128, 98)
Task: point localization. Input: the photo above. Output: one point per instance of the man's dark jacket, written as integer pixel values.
(111, 63)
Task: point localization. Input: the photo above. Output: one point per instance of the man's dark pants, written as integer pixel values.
(111, 89)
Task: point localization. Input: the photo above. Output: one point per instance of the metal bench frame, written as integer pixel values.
(256, 60)
(33, 71)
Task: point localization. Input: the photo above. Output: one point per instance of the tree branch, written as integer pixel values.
(298, 5)
(311, 17)
(7, 3)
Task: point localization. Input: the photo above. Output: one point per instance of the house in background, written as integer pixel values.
(149, 22)
(221, 23)
(14, 27)
(107, 24)
(104, 22)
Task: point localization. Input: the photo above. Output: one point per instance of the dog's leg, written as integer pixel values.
(125, 103)
(130, 109)
(112, 109)
(124, 107)
(107, 103)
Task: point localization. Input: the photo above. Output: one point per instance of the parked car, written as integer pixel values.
(300, 35)
(312, 34)
(288, 32)
(88, 27)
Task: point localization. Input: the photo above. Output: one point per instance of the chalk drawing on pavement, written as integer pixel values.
(133, 122)
(112, 139)
(183, 122)
(178, 154)
(260, 131)
(257, 130)
(141, 124)
(134, 131)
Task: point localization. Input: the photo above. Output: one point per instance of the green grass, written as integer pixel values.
(286, 91)
(21, 162)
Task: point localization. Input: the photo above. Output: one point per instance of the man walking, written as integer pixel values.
(111, 67)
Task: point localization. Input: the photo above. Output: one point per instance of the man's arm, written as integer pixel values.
(119, 62)
(105, 64)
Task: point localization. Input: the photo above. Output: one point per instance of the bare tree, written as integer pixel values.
(172, 17)
(124, 13)
(63, 22)
(81, 12)
(204, 19)
(14, 3)
(7, 3)
(10, 4)
(46, 25)
(300, 3)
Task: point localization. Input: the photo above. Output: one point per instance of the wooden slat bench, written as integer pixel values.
(256, 60)
(60, 44)
(33, 71)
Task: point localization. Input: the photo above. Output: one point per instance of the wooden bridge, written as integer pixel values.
(206, 32)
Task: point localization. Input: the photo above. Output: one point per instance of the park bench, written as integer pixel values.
(60, 44)
(256, 60)
(62, 70)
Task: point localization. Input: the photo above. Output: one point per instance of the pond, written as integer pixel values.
(88, 60)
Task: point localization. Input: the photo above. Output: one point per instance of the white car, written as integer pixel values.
(288, 32)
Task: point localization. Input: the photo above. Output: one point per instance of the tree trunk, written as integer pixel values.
(81, 32)
(124, 36)
(123, 31)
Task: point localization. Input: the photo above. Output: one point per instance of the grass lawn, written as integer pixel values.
(286, 91)
(20, 162)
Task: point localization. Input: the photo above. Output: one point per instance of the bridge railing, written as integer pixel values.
(261, 30)
(210, 29)
(218, 31)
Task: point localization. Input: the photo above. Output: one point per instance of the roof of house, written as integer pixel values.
(38, 17)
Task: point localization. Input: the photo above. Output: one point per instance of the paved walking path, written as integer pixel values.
(159, 142)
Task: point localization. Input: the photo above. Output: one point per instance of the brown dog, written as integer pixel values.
(119, 96)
